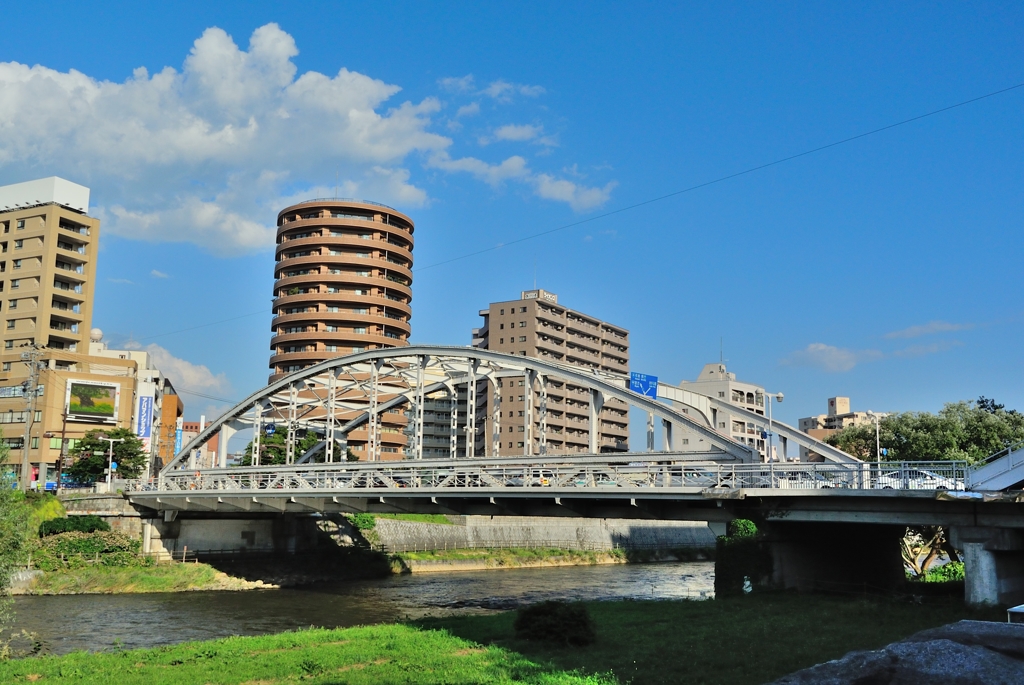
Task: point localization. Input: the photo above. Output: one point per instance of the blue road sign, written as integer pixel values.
(643, 384)
(271, 429)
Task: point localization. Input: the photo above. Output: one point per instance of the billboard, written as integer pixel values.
(92, 401)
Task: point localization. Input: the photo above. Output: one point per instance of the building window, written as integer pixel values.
(501, 341)
(18, 244)
(35, 443)
(359, 330)
(10, 324)
(522, 324)
(522, 310)
(7, 366)
(15, 284)
(522, 338)
(8, 344)
(503, 312)
(501, 327)
(16, 264)
(331, 348)
(21, 223)
(12, 304)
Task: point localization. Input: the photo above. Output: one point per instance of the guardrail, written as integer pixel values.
(597, 473)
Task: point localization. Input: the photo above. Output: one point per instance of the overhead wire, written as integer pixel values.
(660, 198)
(720, 179)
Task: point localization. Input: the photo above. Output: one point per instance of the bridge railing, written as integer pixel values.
(593, 474)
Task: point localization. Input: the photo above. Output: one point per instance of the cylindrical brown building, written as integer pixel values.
(342, 282)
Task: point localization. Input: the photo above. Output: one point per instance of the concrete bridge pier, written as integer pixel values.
(993, 564)
(849, 558)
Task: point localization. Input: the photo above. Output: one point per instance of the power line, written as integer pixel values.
(205, 325)
(209, 397)
(720, 179)
(647, 202)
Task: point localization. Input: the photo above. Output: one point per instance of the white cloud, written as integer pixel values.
(503, 91)
(517, 132)
(839, 360)
(580, 198)
(158, 274)
(929, 328)
(203, 154)
(493, 174)
(469, 110)
(209, 153)
(184, 374)
(456, 84)
(830, 358)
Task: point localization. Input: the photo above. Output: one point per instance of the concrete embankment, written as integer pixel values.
(562, 533)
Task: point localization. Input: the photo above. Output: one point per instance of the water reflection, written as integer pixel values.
(96, 622)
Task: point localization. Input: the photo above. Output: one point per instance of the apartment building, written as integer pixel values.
(838, 417)
(342, 284)
(48, 254)
(47, 266)
(536, 325)
(716, 381)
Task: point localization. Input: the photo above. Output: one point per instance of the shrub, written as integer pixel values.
(556, 622)
(741, 557)
(947, 573)
(363, 522)
(73, 524)
(77, 550)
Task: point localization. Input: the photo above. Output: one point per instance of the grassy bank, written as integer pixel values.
(737, 641)
(122, 580)
(375, 654)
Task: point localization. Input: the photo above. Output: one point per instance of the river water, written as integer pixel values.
(100, 622)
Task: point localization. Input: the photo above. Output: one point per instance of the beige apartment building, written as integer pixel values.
(342, 284)
(838, 417)
(536, 325)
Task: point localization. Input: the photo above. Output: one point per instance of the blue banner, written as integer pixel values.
(144, 427)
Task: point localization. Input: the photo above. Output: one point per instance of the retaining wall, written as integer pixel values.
(523, 531)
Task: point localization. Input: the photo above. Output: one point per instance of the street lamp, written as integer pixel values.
(110, 454)
(878, 443)
(778, 397)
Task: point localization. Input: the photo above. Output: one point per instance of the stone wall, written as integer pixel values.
(522, 531)
(114, 509)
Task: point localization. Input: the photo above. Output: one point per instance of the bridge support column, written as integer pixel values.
(993, 564)
(666, 436)
(226, 431)
(836, 557)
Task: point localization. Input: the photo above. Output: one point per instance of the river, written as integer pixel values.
(100, 622)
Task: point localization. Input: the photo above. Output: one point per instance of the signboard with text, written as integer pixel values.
(144, 421)
(643, 384)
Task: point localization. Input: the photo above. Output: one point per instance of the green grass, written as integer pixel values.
(375, 654)
(108, 580)
(736, 641)
(439, 519)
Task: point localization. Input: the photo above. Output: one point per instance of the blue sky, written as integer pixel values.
(887, 269)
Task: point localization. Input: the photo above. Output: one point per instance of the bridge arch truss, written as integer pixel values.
(339, 396)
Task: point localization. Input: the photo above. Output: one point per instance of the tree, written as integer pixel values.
(272, 448)
(90, 455)
(964, 431)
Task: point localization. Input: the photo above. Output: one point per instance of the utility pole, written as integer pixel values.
(31, 358)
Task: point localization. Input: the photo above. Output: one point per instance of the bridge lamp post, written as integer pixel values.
(110, 454)
(778, 397)
(878, 443)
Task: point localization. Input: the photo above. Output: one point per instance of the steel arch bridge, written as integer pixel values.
(338, 396)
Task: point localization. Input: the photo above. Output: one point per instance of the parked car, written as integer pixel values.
(916, 479)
